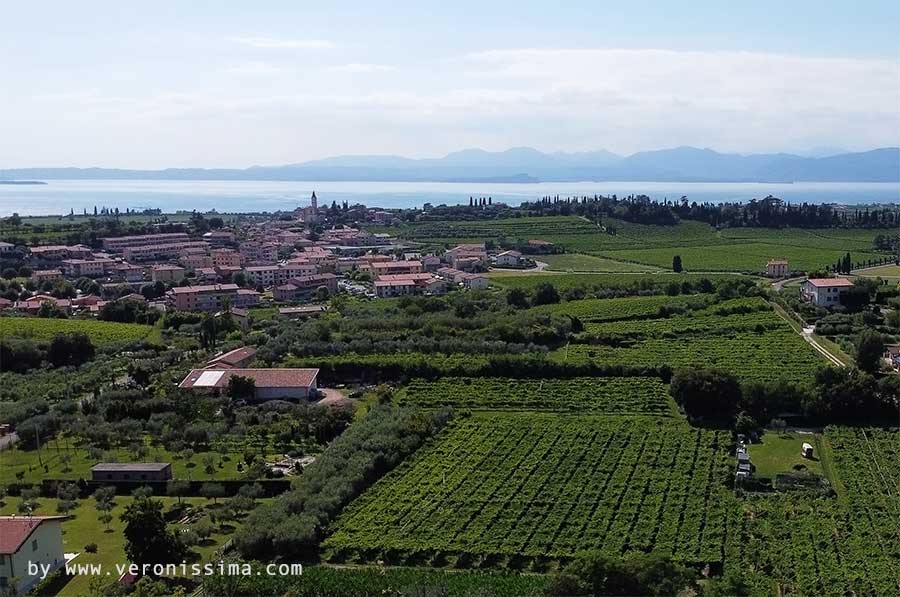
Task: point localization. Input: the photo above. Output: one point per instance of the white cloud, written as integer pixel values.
(360, 68)
(254, 68)
(275, 43)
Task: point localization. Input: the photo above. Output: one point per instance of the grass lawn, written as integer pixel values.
(891, 272)
(26, 461)
(84, 528)
(779, 453)
(578, 262)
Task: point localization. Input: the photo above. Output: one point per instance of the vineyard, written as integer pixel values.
(849, 545)
(516, 489)
(101, 333)
(743, 336)
(563, 282)
(740, 257)
(602, 395)
(592, 310)
(701, 247)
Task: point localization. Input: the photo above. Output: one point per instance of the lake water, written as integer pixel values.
(59, 196)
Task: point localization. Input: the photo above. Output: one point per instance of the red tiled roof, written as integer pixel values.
(15, 530)
(829, 282)
(235, 356)
(264, 378)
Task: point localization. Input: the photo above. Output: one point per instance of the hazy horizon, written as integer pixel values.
(166, 84)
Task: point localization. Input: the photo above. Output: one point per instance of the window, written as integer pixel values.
(34, 545)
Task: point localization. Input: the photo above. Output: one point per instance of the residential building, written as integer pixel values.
(120, 243)
(466, 279)
(304, 287)
(196, 261)
(892, 356)
(170, 274)
(466, 256)
(39, 276)
(382, 268)
(219, 238)
(211, 298)
(271, 384)
(33, 304)
(405, 284)
(128, 272)
(259, 252)
(6, 248)
(508, 259)
(29, 539)
(59, 252)
(777, 268)
(825, 292)
(131, 471)
(273, 275)
(159, 252)
(89, 268)
(226, 258)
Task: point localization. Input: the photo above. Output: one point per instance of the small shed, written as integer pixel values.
(806, 450)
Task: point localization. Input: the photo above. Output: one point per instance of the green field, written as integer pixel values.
(805, 545)
(620, 243)
(101, 333)
(780, 453)
(743, 336)
(610, 395)
(637, 307)
(577, 262)
(507, 488)
(84, 528)
(564, 281)
(30, 463)
(318, 581)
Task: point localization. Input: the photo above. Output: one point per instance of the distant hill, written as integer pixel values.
(525, 164)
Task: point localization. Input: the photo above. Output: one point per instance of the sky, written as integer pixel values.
(225, 83)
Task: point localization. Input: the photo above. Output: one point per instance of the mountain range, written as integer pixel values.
(525, 164)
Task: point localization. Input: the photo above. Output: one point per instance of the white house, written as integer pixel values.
(825, 292)
(24, 539)
(508, 259)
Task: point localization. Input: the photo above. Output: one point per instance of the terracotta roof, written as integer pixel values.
(264, 378)
(15, 530)
(210, 288)
(234, 356)
(830, 282)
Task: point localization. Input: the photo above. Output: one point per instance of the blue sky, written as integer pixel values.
(155, 84)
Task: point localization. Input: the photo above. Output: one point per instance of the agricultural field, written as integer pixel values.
(847, 545)
(566, 281)
(591, 310)
(101, 333)
(58, 459)
(578, 262)
(317, 581)
(601, 395)
(758, 356)
(743, 336)
(522, 488)
(742, 257)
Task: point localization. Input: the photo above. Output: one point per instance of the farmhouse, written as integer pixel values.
(271, 384)
(131, 471)
(777, 268)
(24, 539)
(237, 358)
(825, 292)
(508, 259)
